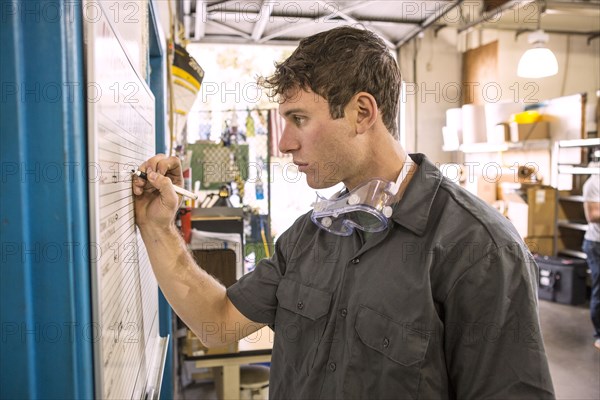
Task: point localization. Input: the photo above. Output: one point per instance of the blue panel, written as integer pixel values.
(158, 77)
(44, 279)
(158, 82)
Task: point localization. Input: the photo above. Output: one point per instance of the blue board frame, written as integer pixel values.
(45, 308)
(44, 279)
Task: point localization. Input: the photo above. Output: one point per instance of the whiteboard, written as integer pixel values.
(127, 348)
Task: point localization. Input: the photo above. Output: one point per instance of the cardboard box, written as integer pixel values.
(482, 188)
(534, 131)
(533, 211)
(543, 246)
(193, 346)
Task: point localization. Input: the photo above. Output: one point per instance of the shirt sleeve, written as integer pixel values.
(493, 342)
(254, 295)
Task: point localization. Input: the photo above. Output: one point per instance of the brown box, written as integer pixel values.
(534, 131)
(534, 213)
(543, 246)
(193, 346)
(482, 188)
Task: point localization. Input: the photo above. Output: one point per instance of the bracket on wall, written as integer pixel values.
(437, 29)
(519, 32)
(590, 35)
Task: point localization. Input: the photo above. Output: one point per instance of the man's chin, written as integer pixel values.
(320, 185)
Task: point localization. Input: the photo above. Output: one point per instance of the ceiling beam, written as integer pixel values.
(261, 24)
(228, 28)
(344, 15)
(430, 20)
(201, 18)
(490, 15)
(217, 4)
(323, 18)
(237, 40)
(187, 18)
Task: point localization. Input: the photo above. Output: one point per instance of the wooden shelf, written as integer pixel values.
(573, 198)
(578, 226)
(579, 143)
(506, 146)
(568, 169)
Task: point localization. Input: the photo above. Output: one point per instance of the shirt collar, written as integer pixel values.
(413, 210)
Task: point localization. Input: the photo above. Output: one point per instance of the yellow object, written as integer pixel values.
(526, 117)
(249, 125)
(265, 244)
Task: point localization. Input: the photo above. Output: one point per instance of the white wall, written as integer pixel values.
(439, 63)
(438, 70)
(578, 62)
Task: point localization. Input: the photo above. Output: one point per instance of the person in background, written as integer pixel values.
(591, 244)
(403, 285)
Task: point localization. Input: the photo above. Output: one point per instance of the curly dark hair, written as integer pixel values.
(337, 64)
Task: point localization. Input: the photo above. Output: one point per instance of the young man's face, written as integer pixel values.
(319, 144)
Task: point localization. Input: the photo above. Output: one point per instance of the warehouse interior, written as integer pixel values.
(502, 96)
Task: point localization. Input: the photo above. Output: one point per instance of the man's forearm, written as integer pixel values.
(592, 211)
(198, 299)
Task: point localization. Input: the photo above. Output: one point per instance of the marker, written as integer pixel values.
(178, 190)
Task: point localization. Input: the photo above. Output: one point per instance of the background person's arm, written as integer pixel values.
(197, 298)
(592, 211)
(591, 199)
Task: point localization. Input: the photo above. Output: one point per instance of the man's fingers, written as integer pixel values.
(164, 186)
(169, 167)
(138, 184)
(162, 164)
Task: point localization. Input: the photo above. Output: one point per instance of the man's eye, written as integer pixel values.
(298, 120)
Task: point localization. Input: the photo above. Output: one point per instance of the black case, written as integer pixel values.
(562, 279)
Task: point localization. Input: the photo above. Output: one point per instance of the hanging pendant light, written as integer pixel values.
(539, 61)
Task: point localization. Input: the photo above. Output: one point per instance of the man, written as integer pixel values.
(591, 245)
(403, 286)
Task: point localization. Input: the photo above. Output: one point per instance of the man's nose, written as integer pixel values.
(287, 141)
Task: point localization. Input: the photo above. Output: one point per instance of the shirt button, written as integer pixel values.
(355, 260)
(343, 312)
(300, 305)
(332, 366)
(386, 343)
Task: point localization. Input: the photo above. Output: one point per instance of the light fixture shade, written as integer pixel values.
(538, 62)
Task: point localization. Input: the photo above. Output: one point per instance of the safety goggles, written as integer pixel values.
(367, 207)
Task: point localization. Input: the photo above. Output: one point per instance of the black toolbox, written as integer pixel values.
(562, 279)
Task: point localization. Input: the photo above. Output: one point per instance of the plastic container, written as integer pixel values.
(526, 117)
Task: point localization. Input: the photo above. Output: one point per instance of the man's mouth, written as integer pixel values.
(302, 166)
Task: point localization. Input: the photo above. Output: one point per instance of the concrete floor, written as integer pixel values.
(574, 362)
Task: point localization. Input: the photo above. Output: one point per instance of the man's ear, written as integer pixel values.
(367, 111)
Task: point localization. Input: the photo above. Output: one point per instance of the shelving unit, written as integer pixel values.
(539, 144)
(571, 222)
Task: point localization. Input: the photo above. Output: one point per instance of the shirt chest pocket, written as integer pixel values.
(389, 349)
(300, 322)
(395, 341)
(303, 300)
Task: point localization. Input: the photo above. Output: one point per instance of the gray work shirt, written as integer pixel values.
(440, 305)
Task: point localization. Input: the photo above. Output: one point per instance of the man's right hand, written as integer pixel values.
(156, 202)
